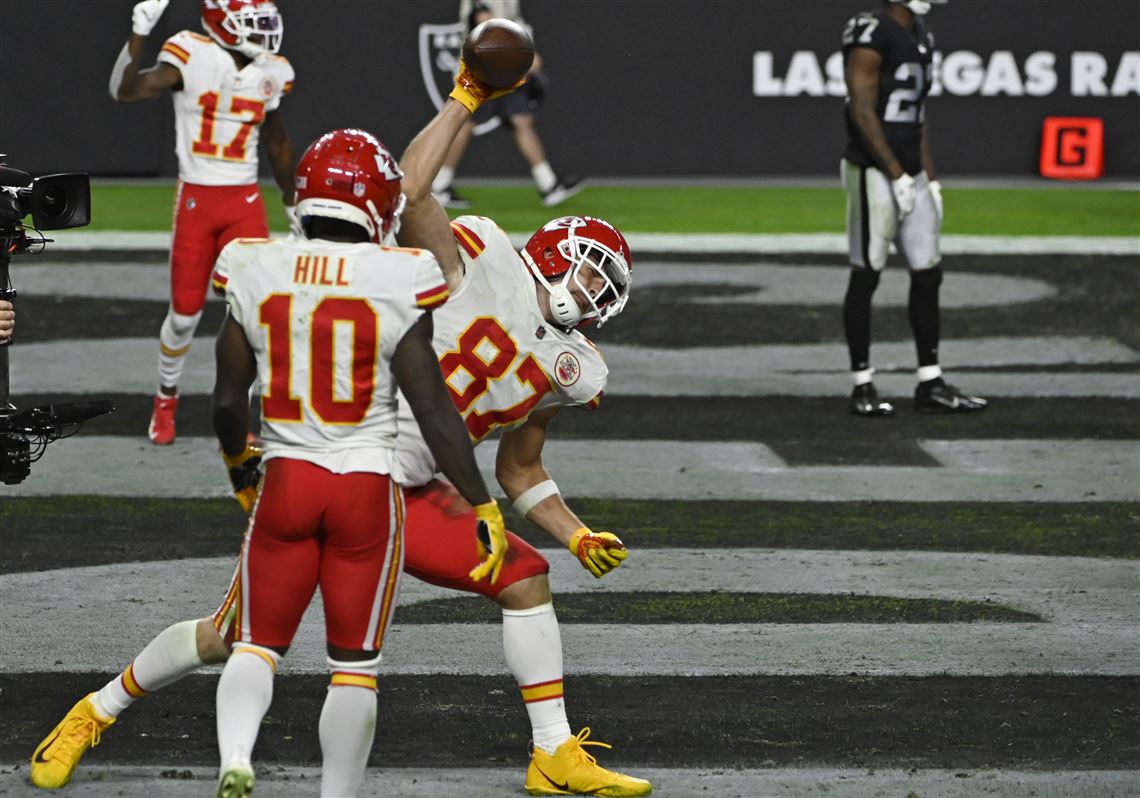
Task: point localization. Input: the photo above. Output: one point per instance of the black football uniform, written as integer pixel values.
(904, 82)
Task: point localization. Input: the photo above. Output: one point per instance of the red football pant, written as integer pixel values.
(343, 532)
(206, 218)
(441, 545)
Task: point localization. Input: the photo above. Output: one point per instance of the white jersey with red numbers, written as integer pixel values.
(501, 359)
(324, 319)
(219, 110)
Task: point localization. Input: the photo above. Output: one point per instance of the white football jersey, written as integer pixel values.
(501, 359)
(324, 320)
(218, 112)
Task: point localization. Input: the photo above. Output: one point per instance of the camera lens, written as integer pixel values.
(57, 202)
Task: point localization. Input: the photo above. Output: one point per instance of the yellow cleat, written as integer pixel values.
(572, 771)
(236, 782)
(56, 757)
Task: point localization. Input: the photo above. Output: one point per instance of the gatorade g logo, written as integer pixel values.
(1072, 148)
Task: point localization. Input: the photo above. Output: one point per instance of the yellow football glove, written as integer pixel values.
(470, 93)
(491, 541)
(599, 552)
(245, 476)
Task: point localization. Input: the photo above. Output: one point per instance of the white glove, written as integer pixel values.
(145, 16)
(903, 189)
(295, 228)
(935, 189)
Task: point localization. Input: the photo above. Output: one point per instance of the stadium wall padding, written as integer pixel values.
(638, 88)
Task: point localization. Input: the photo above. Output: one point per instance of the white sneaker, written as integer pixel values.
(564, 189)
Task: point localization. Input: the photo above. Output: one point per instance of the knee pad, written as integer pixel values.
(180, 325)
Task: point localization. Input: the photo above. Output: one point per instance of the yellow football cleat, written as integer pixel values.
(236, 782)
(572, 771)
(56, 757)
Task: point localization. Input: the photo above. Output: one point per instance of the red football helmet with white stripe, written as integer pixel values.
(252, 27)
(350, 175)
(557, 255)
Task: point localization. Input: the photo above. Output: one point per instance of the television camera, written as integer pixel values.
(55, 202)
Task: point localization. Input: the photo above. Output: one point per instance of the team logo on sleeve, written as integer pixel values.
(567, 369)
(267, 87)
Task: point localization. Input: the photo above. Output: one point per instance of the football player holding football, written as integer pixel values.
(512, 357)
(893, 195)
(227, 89)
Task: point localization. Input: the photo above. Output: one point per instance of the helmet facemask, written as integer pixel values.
(587, 258)
(257, 29)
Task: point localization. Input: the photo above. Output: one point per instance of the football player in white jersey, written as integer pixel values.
(329, 325)
(513, 357)
(227, 89)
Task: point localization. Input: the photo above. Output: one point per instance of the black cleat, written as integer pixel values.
(564, 189)
(448, 198)
(936, 396)
(865, 401)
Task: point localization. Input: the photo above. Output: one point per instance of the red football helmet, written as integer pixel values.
(251, 27)
(350, 175)
(558, 253)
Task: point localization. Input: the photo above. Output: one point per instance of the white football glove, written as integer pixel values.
(295, 228)
(903, 189)
(145, 16)
(935, 189)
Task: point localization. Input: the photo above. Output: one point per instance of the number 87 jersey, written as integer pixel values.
(219, 110)
(500, 358)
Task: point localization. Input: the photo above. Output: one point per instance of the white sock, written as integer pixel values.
(173, 343)
(861, 377)
(927, 373)
(166, 659)
(442, 180)
(347, 727)
(544, 176)
(244, 694)
(532, 645)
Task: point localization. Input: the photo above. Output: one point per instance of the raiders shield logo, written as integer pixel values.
(439, 63)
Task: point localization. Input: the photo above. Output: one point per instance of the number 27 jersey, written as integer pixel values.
(500, 358)
(904, 81)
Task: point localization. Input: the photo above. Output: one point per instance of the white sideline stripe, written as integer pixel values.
(98, 779)
(128, 365)
(756, 243)
(758, 284)
(1088, 603)
(1006, 470)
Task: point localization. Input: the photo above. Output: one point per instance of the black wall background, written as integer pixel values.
(638, 87)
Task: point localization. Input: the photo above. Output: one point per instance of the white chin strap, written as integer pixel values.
(563, 307)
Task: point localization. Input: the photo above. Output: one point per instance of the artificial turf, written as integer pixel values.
(1050, 211)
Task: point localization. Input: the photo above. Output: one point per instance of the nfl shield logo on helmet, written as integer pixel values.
(439, 64)
(567, 369)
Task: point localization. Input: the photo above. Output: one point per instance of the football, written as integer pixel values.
(498, 52)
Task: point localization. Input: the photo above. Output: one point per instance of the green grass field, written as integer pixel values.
(726, 209)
